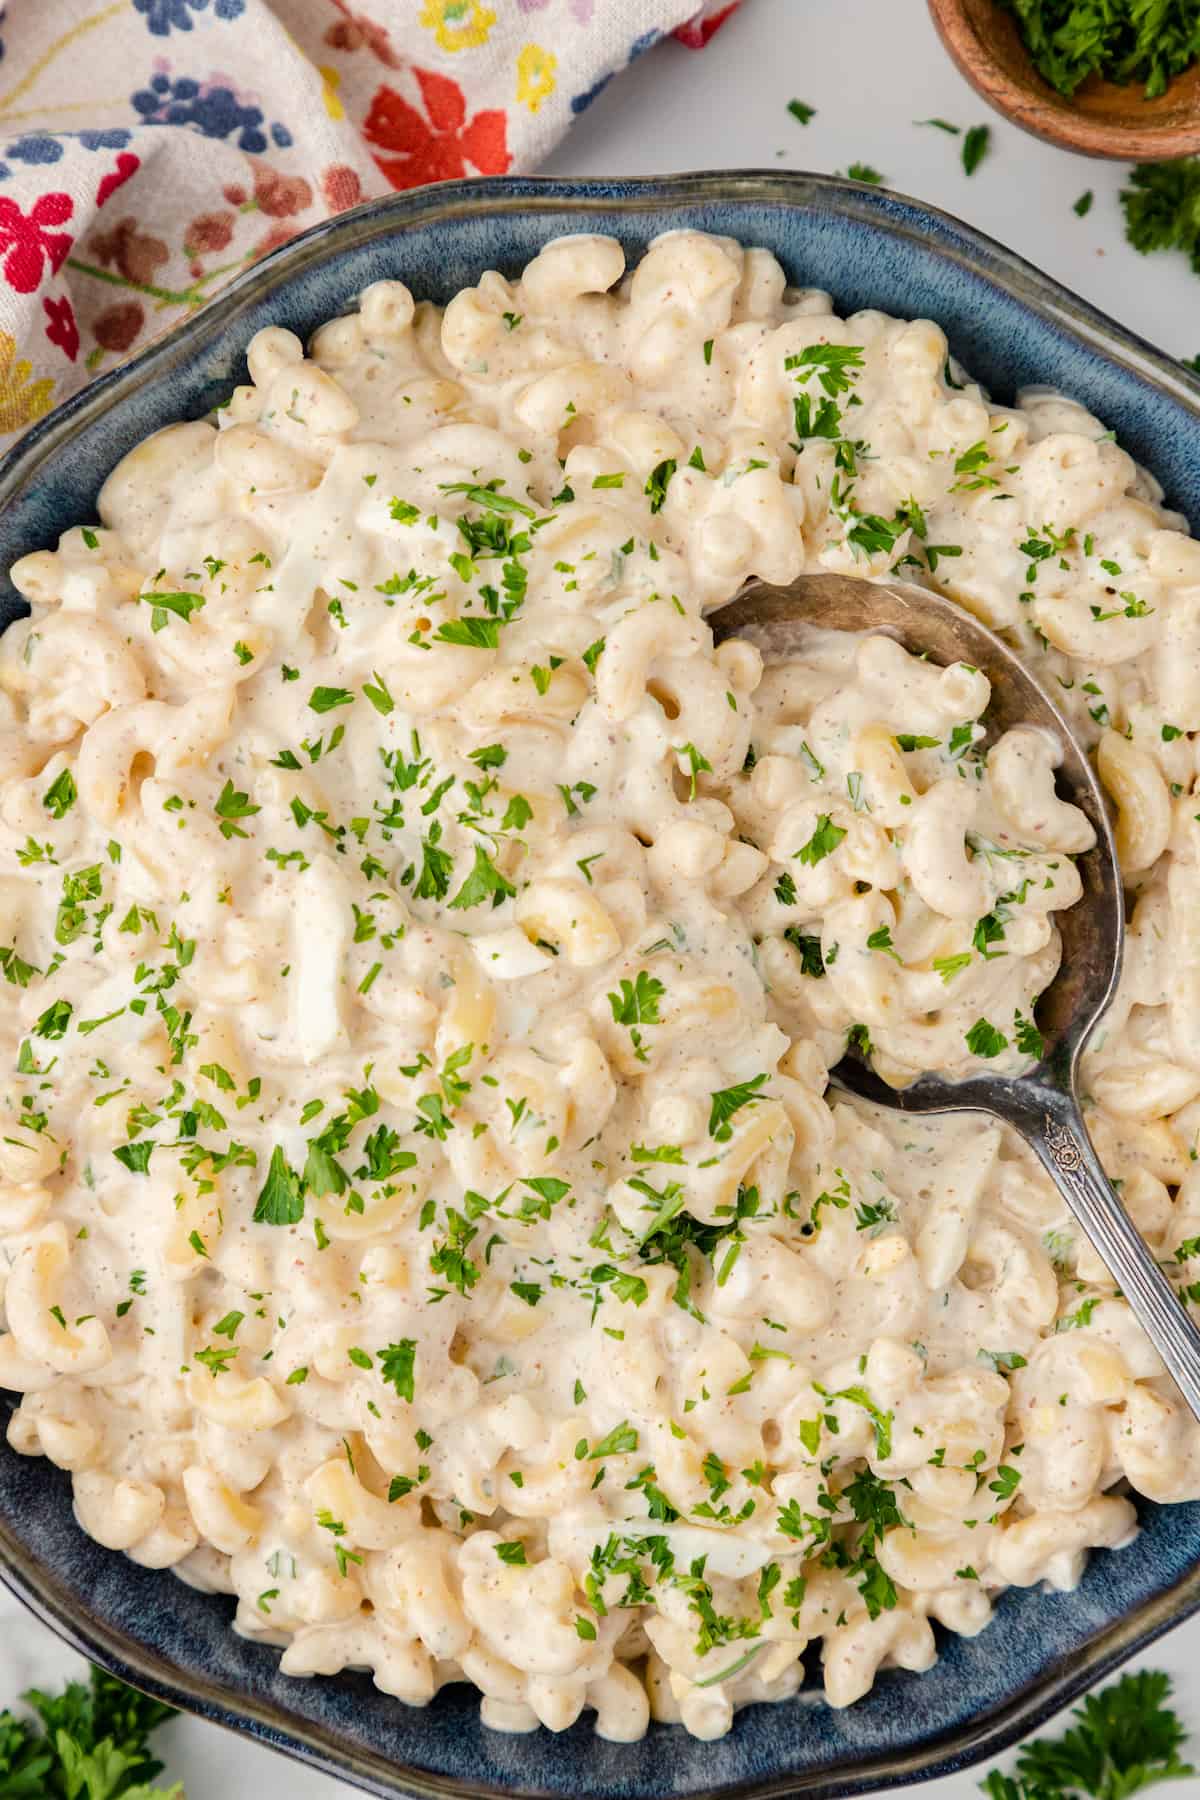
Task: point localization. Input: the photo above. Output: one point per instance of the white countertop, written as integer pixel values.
(870, 69)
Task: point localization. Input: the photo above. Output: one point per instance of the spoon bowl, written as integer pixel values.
(1042, 1105)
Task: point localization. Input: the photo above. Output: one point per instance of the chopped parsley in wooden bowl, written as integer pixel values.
(1113, 79)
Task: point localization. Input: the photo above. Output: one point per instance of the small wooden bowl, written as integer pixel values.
(1101, 119)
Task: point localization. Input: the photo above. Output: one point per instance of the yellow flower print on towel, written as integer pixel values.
(331, 81)
(458, 24)
(21, 400)
(535, 75)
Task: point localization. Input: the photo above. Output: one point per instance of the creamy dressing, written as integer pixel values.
(422, 1212)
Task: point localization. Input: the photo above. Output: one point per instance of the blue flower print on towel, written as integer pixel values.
(47, 147)
(581, 102)
(162, 16)
(210, 108)
(640, 45)
(35, 149)
(43, 148)
(112, 138)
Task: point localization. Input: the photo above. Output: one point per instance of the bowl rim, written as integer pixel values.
(1043, 112)
(498, 194)
(896, 214)
(319, 1748)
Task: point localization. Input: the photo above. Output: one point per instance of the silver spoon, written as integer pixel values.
(1042, 1105)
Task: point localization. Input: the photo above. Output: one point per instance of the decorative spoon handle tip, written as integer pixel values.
(1054, 1129)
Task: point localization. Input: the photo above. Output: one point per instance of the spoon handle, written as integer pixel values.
(1053, 1127)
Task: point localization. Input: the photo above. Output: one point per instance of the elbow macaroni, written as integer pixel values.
(421, 1210)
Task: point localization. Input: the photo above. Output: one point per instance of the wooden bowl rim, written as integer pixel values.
(1046, 114)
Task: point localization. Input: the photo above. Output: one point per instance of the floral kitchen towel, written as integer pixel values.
(149, 149)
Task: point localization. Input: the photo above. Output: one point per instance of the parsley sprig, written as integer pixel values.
(1162, 207)
(1125, 1738)
(91, 1740)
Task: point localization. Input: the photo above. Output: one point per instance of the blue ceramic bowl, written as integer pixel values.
(1010, 326)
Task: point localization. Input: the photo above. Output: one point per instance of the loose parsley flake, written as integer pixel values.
(975, 147)
(620, 1441)
(397, 1365)
(61, 795)
(1080, 1317)
(637, 1004)
(697, 762)
(824, 841)
(1029, 1040)
(983, 1039)
(232, 806)
(809, 946)
(471, 633)
(136, 1157)
(281, 1199)
(165, 607)
(484, 883)
(658, 481)
(376, 691)
(726, 1102)
(324, 699)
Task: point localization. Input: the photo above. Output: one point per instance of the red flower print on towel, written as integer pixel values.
(118, 326)
(61, 328)
(281, 196)
(127, 165)
(209, 231)
(341, 187)
(696, 33)
(355, 31)
(26, 244)
(134, 253)
(442, 147)
(278, 234)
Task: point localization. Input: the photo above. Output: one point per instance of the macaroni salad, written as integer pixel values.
(422, 1214)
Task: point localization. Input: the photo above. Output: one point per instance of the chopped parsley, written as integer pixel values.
(637, 1004)
(61, 795)
(824, 841)
(281, 1198)
(232, 806)
(983, 1039)
(165, 607)
(726, 1102)
(324, 699)
(1119, 40)
(975, 147)
(397, 1365)
(658, 481)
